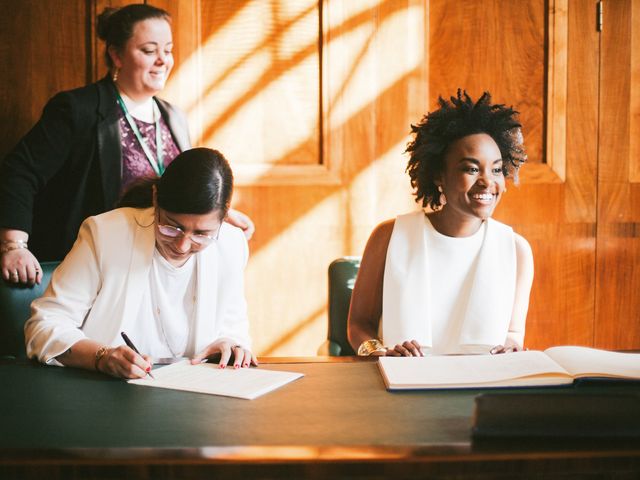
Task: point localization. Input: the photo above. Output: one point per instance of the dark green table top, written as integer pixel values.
(334, 404)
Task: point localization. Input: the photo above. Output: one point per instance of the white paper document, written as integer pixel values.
(248, 383)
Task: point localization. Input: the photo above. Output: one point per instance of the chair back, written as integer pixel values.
(15, 310)
(342, 277)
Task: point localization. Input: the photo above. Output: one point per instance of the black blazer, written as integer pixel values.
(69, 167)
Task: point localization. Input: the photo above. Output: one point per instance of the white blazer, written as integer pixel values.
(101, 281)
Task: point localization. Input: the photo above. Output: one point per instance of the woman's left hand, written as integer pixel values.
(506, 349)
(408, 348)
(242, 221)
(242, 357)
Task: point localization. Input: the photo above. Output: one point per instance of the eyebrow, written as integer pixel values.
(476, 161)
(152, 42)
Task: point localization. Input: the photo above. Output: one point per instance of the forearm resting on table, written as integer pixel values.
(81, 354)
(358, 333)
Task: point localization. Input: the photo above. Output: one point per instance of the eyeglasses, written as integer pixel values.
(198, 238)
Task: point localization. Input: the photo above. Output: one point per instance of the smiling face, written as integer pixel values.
(146, 60)
(472, 181)
(179, 249)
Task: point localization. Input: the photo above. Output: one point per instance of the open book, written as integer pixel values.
(554, 366)
(248, 383)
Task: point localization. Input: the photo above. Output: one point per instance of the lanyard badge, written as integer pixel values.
(158, 166)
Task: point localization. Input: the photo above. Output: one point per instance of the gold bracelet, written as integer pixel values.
(8, 245)
(368, 347)
(99, 354)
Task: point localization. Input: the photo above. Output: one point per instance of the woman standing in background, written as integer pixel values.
(91, 143)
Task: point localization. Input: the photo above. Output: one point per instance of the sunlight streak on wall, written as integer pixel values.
(254, 85)
(262, 77)
(375, 72)
(314, 240)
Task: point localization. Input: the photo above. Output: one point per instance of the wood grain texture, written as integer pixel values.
(261, 84)
(370, 100)
(618, 243)
(39, 59)
(496, 46)
(557, 60)
(634, 103)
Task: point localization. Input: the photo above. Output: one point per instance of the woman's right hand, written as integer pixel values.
(123, 362)
(408, 348)
(20, 266)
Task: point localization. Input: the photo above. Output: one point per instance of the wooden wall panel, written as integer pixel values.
(374, 79)
(618, 247)
(39, 59)
(261, 81)
(492, 45)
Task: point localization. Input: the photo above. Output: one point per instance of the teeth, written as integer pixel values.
(483, 196)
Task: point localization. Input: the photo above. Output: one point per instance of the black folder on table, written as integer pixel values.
(556, 415)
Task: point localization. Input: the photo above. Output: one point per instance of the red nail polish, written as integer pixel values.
(222, 366)
(148, 369)
(236, 366)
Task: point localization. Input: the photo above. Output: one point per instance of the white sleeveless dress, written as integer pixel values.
(451, 294)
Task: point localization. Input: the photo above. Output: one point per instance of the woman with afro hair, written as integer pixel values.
(449, 279)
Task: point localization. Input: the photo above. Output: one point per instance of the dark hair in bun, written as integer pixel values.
(115, 25)
(198, 181)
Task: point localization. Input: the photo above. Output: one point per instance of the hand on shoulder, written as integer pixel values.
(242, 221)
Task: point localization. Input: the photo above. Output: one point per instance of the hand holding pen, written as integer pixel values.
(123, 361)
(130, 344)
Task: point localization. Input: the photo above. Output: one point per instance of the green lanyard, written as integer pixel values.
(158, 166)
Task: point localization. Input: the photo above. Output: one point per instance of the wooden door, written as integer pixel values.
(39, 58)
(618, 234)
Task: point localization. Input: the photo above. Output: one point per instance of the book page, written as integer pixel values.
(592, 362)
(466, 371)
(248, 383)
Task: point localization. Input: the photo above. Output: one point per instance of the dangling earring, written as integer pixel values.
(115, 74)
(443, 199)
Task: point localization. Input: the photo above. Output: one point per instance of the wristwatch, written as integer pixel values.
(370, 346)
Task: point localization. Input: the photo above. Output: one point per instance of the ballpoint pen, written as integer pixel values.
(130, 344)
